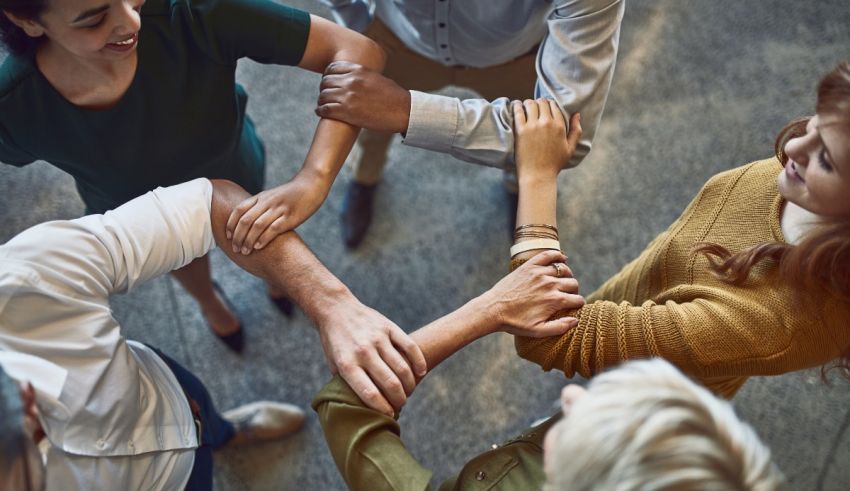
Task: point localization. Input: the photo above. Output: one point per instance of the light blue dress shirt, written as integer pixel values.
(575, 63)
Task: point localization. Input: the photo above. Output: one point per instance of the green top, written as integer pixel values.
(183, 115)
(367, 448)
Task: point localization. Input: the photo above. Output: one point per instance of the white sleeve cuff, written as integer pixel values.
(433, 121)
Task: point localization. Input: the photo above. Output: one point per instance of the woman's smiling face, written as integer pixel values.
(817, 172)
(93, 30)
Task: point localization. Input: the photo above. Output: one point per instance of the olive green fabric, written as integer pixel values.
(367, 448)
(183, 115)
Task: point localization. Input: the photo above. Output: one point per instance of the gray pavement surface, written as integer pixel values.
(701, 86)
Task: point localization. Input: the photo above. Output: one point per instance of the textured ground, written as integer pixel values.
(701, 86)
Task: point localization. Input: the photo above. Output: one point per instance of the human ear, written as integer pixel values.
(30, 26)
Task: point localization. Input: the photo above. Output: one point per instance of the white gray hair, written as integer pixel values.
(645, 426)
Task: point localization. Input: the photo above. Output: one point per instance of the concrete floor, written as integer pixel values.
(701, 86)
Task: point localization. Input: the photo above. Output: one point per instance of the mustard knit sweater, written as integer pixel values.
(666, 303)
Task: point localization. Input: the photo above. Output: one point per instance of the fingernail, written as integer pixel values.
(228, 235)
(245, 250)
(258, 246)
(235, 249)
(574, 323)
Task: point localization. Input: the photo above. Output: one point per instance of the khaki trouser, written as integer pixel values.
(514, 79)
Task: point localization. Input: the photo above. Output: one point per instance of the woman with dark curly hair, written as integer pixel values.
(125, 106)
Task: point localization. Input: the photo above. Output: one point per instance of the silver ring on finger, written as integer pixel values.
(558, 269)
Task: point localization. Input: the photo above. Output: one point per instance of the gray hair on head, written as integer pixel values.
(645, 426)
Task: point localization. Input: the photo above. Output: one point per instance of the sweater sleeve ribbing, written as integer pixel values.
(711, 334)
(607, 334)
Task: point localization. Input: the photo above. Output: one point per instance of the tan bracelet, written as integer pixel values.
(529, 245)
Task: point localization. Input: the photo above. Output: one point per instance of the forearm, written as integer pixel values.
(446, 335)
(331, 144)
(474, 130)
(286, 262)
(329, 43)
(537, 204)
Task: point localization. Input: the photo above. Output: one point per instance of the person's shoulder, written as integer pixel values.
(15, 71)
(758, 173)
(158, 8)
(154, 8)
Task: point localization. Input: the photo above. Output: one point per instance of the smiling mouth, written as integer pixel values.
(125, 44)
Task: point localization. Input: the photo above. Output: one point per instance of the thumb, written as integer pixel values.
(340, 67)
(575, 131)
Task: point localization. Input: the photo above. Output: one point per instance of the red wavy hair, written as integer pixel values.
(822, 258)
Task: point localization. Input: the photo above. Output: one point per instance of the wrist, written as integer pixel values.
(484, 314)
(326, 303)
(316, 177)
(537, 178)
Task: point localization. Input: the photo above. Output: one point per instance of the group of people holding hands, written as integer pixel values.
(137, 100)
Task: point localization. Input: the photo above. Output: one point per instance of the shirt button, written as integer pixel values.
(100, 443)
(480, 476)
(494, 446)
(442, 25)
(444, 46)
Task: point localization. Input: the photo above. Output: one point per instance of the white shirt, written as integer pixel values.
(114, 413)
(575, 63)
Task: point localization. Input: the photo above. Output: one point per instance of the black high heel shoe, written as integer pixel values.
(284, 305)
(235, 341)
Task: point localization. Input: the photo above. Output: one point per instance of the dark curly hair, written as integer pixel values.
(13, 37)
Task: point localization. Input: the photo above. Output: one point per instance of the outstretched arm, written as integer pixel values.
(367, 446)
(521, 303)
(371, 353)
(258, 219)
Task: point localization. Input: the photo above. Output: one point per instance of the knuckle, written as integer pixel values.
(370, 394)
(392, 384)
(362, 350)
(345, 365)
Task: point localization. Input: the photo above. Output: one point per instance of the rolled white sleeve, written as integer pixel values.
(575, 66)
(158, 232)
(99, 255)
